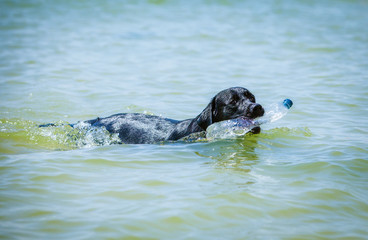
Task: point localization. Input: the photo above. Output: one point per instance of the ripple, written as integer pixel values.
(58, 178)
(126, 195)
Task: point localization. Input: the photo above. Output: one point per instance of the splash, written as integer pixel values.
(61, 136)
(84, 135)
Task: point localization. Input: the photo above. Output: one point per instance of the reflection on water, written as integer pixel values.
(241, 152)
(235, 153)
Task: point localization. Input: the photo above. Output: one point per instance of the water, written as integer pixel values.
(303, 177)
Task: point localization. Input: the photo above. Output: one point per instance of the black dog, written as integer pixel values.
(136, 128)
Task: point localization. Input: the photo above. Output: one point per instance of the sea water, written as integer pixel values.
(303, 177)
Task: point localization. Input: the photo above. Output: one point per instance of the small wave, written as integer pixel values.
(236, 135)
(86, 135)
(81, 135)
(287, 132)
(60, 136)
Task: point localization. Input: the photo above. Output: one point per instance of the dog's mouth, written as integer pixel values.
(255, 111)
(254, 130)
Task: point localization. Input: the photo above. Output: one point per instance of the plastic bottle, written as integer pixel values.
(240, 126)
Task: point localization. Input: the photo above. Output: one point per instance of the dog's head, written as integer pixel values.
(228, 104)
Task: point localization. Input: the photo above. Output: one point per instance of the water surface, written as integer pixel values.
(303, 177)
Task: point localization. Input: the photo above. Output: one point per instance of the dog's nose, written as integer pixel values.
(257, 110)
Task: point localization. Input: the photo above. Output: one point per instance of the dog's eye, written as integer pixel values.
(233, 102)
(250, 97)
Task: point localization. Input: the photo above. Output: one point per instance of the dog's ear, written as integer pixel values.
(207, 115)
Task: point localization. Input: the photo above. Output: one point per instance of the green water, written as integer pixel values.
(303, 177)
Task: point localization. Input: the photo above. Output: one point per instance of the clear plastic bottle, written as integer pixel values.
(240, 126)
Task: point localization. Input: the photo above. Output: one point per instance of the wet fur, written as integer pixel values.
(136, 128)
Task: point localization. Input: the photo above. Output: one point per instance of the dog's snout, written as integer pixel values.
(257, 110)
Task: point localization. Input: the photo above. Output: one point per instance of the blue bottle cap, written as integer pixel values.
(288, 103)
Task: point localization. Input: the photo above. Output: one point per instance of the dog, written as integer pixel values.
(137, 128)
